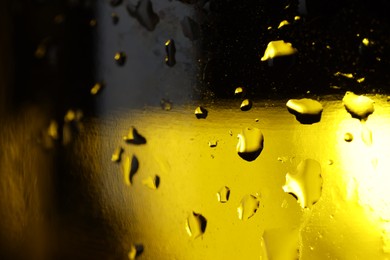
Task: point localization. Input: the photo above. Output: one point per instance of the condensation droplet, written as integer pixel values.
(239, 91)
(135, 251)
(213, 143)
(115, 18)
(246, 105)
(97, 88)
(196, 225)
(152, 182)
(130, 168)
(248, 207)
(306, 183)
(250, 143)
(223, 194)
(73, 115)
(330, 162)
(190, 28)
(117, 154)
(359, 107)
(143, 12)
(348, 137)
(170, 50)
(52, 130)
(201, 112)
(166, 104)
(120, 58)
(306, 111)
(283, 23)
(277, 49)
(133, 137)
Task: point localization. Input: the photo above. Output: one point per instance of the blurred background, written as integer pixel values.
(102, 156)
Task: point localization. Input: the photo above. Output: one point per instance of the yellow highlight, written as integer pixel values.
(347, 75)
(366, 41)
(283, 23)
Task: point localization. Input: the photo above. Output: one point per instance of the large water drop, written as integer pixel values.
(306, 111)
(246, 105)
(306, 183)
(143, 12)
(120, 58)
(196, 225)
(201, 112)
(250, 143)
(248, 207)
(276, 49)
(358, 106)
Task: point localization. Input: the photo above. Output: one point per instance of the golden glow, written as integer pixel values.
(346, 75)
(168, 42)
(366, 41)
(360, 80)
(277, 49)
(296, 18)
(96, 88)
(53, 130)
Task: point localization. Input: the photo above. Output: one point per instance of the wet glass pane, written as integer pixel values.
(194, 129)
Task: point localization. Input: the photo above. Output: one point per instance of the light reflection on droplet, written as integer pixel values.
(170, 50)
(250, 143)
(306, 111)
(196, 225)
(223, 194)
(348, 137)
(201, 112)
(133, 137)
(152, 182)
(135, 251)
(246, 105)
(358, 106)
(117, 154)
(129, 168)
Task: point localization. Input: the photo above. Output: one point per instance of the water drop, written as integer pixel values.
(223, 194)
(166, 104)
(250, 143)
(359, 107)
(283, 23)
(196, 225)
(297, 18)
(278, 49)
(248, 207)
(345, 75)
(117, 154)
(201, 112)
(120, 58)
(330, 162)
(306, 183)
(144, 13)
(246, 105)
(306, 111)
(348, 137)
(213, 143)
(130, 168)
(115, 18)
(133, 137)
(115, 2)
(239, 91)
(97, 88)
(135, 251)
(152, 182)
(170, 50)
(190, 28)
(360, 80)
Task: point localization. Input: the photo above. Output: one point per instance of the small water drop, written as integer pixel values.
(250, 143)
(223, 194)
(306, 183)
(348, 137)
(73, 115)
(248, 207)
(115, 18)
(144, 13)
(196, 225)
(120, 58)
(277, 49)
(246, 105)
(190, 28)
(135, 251)
(239, 91)
(213, 143)
(97, 88)
(117, 154)
(133, 137)
(359, 107)
(330, 162)
(115, 2)
(306, 111)
(170, 50)
(130, 168)
(166, 104)
(152, 182)
(283, 23)
(201, 112)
